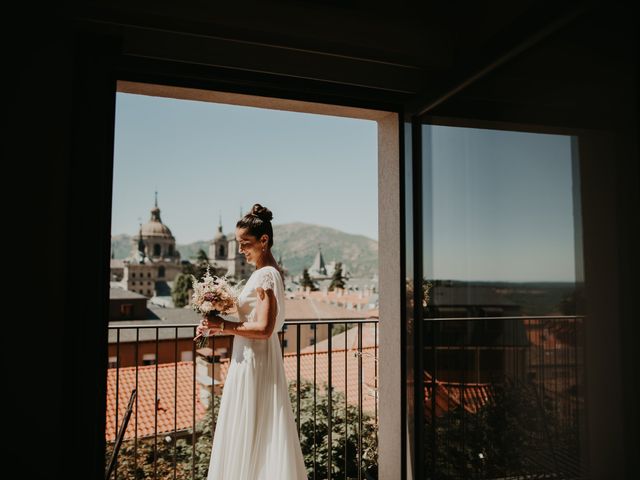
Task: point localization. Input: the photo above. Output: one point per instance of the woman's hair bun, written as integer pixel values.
(263, 213)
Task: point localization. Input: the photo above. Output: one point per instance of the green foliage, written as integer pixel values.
(178, 451)
(514, 434)
(182, 283)
(337, 328)
(337, 280)
(313, 433)
(307, 282)
(180, 292)
(201, 264)
(188, 268)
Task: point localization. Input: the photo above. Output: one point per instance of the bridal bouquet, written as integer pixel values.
(212, 295)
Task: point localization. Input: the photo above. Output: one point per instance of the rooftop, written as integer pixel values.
(296, 309)
(344, 368)
(119, 293)
(174, 408)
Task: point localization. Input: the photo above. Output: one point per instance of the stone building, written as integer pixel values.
(154, 259)
(224, 256)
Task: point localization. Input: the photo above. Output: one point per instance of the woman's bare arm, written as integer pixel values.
(265, 322)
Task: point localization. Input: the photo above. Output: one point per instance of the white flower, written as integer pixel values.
(206, 307)
(213, 293)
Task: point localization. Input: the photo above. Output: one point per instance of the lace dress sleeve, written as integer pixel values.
(266, 281)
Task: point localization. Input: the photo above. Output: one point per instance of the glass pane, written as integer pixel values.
(502, 363)
(410, 338)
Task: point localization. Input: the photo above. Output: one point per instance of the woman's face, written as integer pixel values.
(249, 245)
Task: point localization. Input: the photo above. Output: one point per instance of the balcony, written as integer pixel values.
(503, 397)
(172, 418)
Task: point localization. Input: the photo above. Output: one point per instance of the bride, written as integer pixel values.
(255, 437)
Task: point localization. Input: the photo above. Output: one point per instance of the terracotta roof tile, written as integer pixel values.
(338, 373)
(370, 332)
(450, 395)
(556, 335)
(342, 370)
(316, 309)
(146, 399)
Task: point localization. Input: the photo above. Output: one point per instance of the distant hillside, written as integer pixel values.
(191, 250)
(298, 244)
(121, 245)
(534, 298)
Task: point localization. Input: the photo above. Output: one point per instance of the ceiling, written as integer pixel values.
(415, 53)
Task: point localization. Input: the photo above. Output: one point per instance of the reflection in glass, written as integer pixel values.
(502, 357)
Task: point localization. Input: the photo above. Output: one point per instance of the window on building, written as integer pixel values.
(133, 274)
(126, 309)
(156, 250)
(161, 272)
(148, 274)
(149, 359)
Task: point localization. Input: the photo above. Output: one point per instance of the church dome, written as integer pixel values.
(154, 227)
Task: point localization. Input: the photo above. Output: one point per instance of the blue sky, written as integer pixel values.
(503, 206)
(208, 159)
(502, 201)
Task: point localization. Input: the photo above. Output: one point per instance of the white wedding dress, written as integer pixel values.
(255, 437)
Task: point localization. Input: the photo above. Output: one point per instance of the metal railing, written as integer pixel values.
(341, 415)
(504, 397)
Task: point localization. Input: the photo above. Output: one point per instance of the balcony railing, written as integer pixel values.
(503, 397)
(332, 384)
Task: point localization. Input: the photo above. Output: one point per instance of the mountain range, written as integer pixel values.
(298, 245)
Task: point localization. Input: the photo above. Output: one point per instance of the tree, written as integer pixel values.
(516, 434)
(307, 282)
(314, 434)
(183, 282)
(337, 280)
(202, 262)
(180, 292)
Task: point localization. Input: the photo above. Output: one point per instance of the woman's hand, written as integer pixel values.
(202, 328)
(208, 324)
